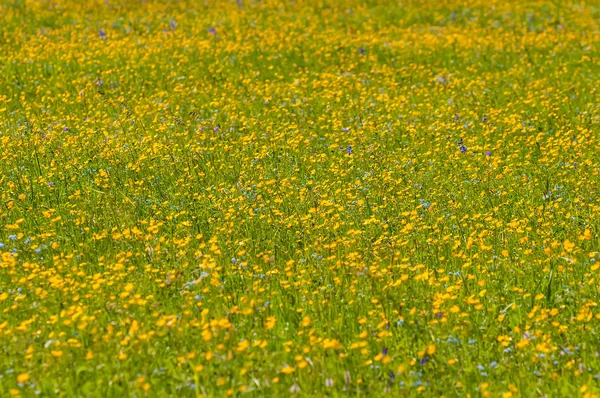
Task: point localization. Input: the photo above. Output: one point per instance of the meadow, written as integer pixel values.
(310, 198)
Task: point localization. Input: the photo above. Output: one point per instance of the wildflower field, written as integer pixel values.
(309, 197)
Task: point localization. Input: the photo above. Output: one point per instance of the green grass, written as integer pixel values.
(266, 198)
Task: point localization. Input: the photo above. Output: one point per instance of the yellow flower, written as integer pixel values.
(135, 326)
(568, 245)
(243, 345)
(22, 378)
(523, 343)
(56, 353)
(270, 322)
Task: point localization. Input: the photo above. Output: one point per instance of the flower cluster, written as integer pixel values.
(308, 197)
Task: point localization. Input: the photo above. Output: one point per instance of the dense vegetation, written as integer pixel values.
(264, 198)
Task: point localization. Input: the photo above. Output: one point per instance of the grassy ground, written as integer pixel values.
(261, 198)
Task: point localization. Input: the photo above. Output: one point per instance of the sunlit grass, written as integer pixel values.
(264, 198)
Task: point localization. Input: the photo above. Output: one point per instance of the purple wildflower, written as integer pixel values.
(212, 31)
(488, 153)
(173, 25)
(98, 81)
(384, 352)
(65, 129)
(485, 119)
(439, 315)
(362, 51)
(349, 149)
(424, 360)
(102, 34)
(392, 377)
(346, 129)
(463, 148)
